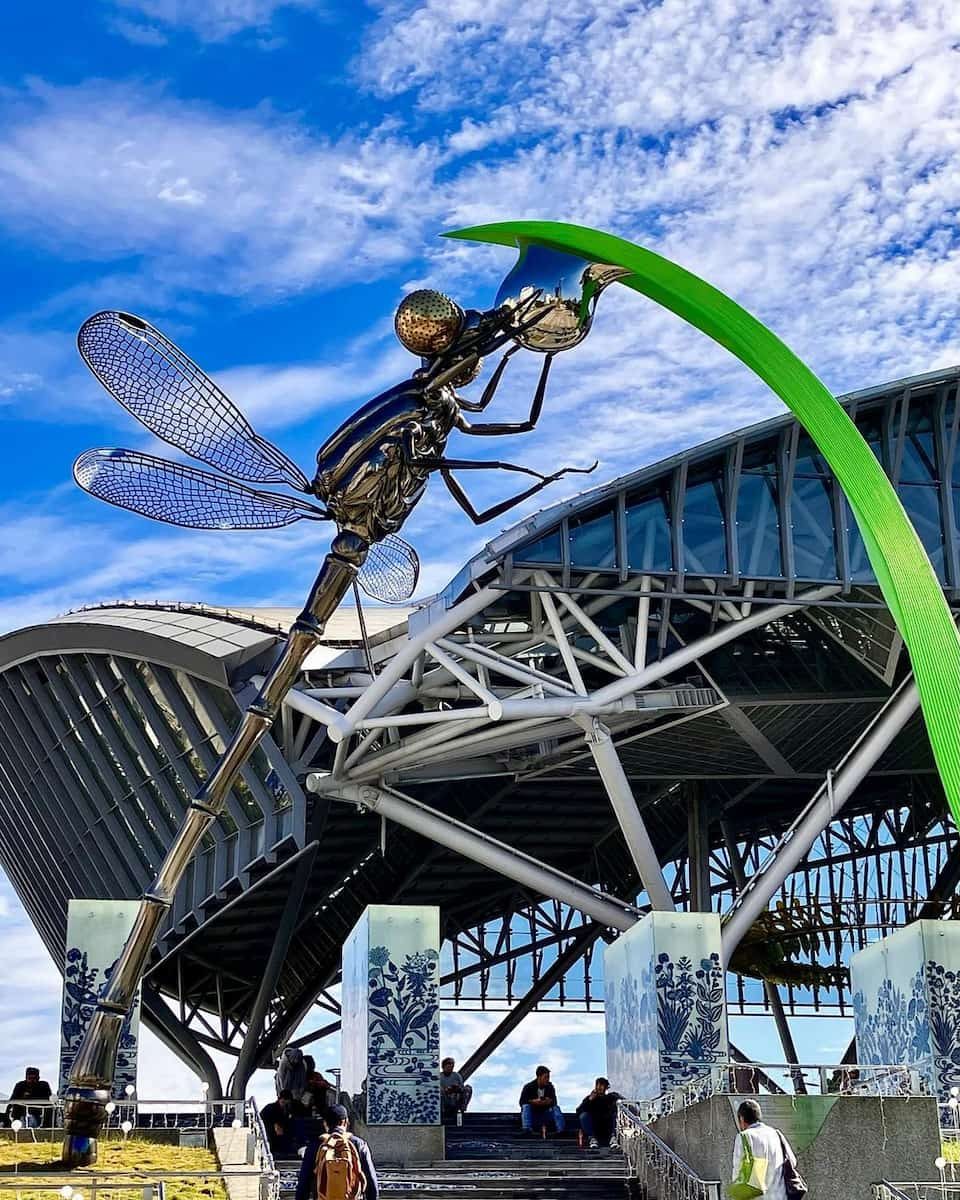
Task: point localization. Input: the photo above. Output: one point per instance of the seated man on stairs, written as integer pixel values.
(538, 1104)
(454, 1093)
(598, 1115)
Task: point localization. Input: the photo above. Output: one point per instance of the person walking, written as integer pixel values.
(769, 1144)
(338, 1165)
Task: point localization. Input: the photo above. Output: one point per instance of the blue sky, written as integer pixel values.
(264, 180)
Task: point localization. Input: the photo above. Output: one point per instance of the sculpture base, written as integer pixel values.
(79, 1150)
(84, 1113)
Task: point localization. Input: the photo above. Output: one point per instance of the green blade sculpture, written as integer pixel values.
(899, 561)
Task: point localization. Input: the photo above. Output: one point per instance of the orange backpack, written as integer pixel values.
(338, 1172)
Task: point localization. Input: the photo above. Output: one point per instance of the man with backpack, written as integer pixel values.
(337, 1166)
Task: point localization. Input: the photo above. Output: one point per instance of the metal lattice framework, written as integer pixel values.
(666, 691)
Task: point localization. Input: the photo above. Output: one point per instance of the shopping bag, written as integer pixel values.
(751, 1180)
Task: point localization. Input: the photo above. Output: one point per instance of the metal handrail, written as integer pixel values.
(206, 1113)
(841, 1079)
(151, 1190)
(940, 1189)
(884, 1190)
(647, 1156)
(269, 1175)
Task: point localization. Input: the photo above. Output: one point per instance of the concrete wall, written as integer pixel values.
(402, 1145)
(844, 1144)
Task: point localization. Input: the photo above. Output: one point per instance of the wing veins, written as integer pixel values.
(180, 494)
(177, 401)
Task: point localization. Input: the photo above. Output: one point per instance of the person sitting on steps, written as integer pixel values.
(538, 1104)
(454, 1093)
(598, 1115)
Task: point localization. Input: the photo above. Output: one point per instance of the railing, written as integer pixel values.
(950, 1117)
(269, 1175)
(888, 1191)
(88, 1190)
(143, 1114)
(145, 1185)
(942, 1189)
(736, 1079)
(654, 1165)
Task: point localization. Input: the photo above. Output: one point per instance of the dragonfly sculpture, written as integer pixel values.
(371, 473)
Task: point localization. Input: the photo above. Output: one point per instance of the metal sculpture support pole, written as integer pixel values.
(88, 1089)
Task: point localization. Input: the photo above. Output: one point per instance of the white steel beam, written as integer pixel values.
(480, 848)
(631, 823)
(824, 806)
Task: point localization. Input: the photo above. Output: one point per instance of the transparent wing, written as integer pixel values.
(168, 392)
(183, 495)
(391, 570)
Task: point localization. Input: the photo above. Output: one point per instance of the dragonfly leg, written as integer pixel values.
(490, 390)
(478, 518)
(502, 429)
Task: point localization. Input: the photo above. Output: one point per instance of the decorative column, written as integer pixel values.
(390, 1030)
(906, 1002)
(96, 933)
(665, 1003)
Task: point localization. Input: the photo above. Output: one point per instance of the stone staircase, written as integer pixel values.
(489, 1158)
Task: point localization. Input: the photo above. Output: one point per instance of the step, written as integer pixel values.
(590, 1176)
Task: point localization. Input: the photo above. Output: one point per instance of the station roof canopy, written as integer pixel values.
(738, 559)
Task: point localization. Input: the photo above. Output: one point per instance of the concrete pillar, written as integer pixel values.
(906, 1002)
(664, 996)
(96, 933)
(390, 1020)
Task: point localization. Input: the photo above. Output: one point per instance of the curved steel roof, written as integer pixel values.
(757, 506)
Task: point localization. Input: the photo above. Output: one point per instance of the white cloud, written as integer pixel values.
(205, 199)
(275, 396)
(210, 20)
(569, 1043)
(650, 68)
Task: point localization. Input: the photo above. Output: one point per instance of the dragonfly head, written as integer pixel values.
(428, 322)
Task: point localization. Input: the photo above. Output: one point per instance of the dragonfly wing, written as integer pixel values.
(183, 495)
(153, 379)
(391, 570)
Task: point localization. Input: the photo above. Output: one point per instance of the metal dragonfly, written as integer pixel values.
(371, 472)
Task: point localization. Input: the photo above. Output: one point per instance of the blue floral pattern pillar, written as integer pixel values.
(664, 997)
(390, 1029)
(96, 932)
(906, 1002)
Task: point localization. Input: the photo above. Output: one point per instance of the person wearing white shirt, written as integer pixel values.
(765, 1142)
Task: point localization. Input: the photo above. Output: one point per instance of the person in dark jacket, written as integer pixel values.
(336, 1121)
(278, 1122)
(598, 1114)
(31, 1087)
(538, 1104)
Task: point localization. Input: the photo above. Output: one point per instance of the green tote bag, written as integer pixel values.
(751, 1180)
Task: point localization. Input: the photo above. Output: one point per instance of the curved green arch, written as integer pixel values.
(899, 561)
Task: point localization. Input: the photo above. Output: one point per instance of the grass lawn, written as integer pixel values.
(39, 1162)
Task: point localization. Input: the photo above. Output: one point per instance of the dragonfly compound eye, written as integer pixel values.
(428, 322)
